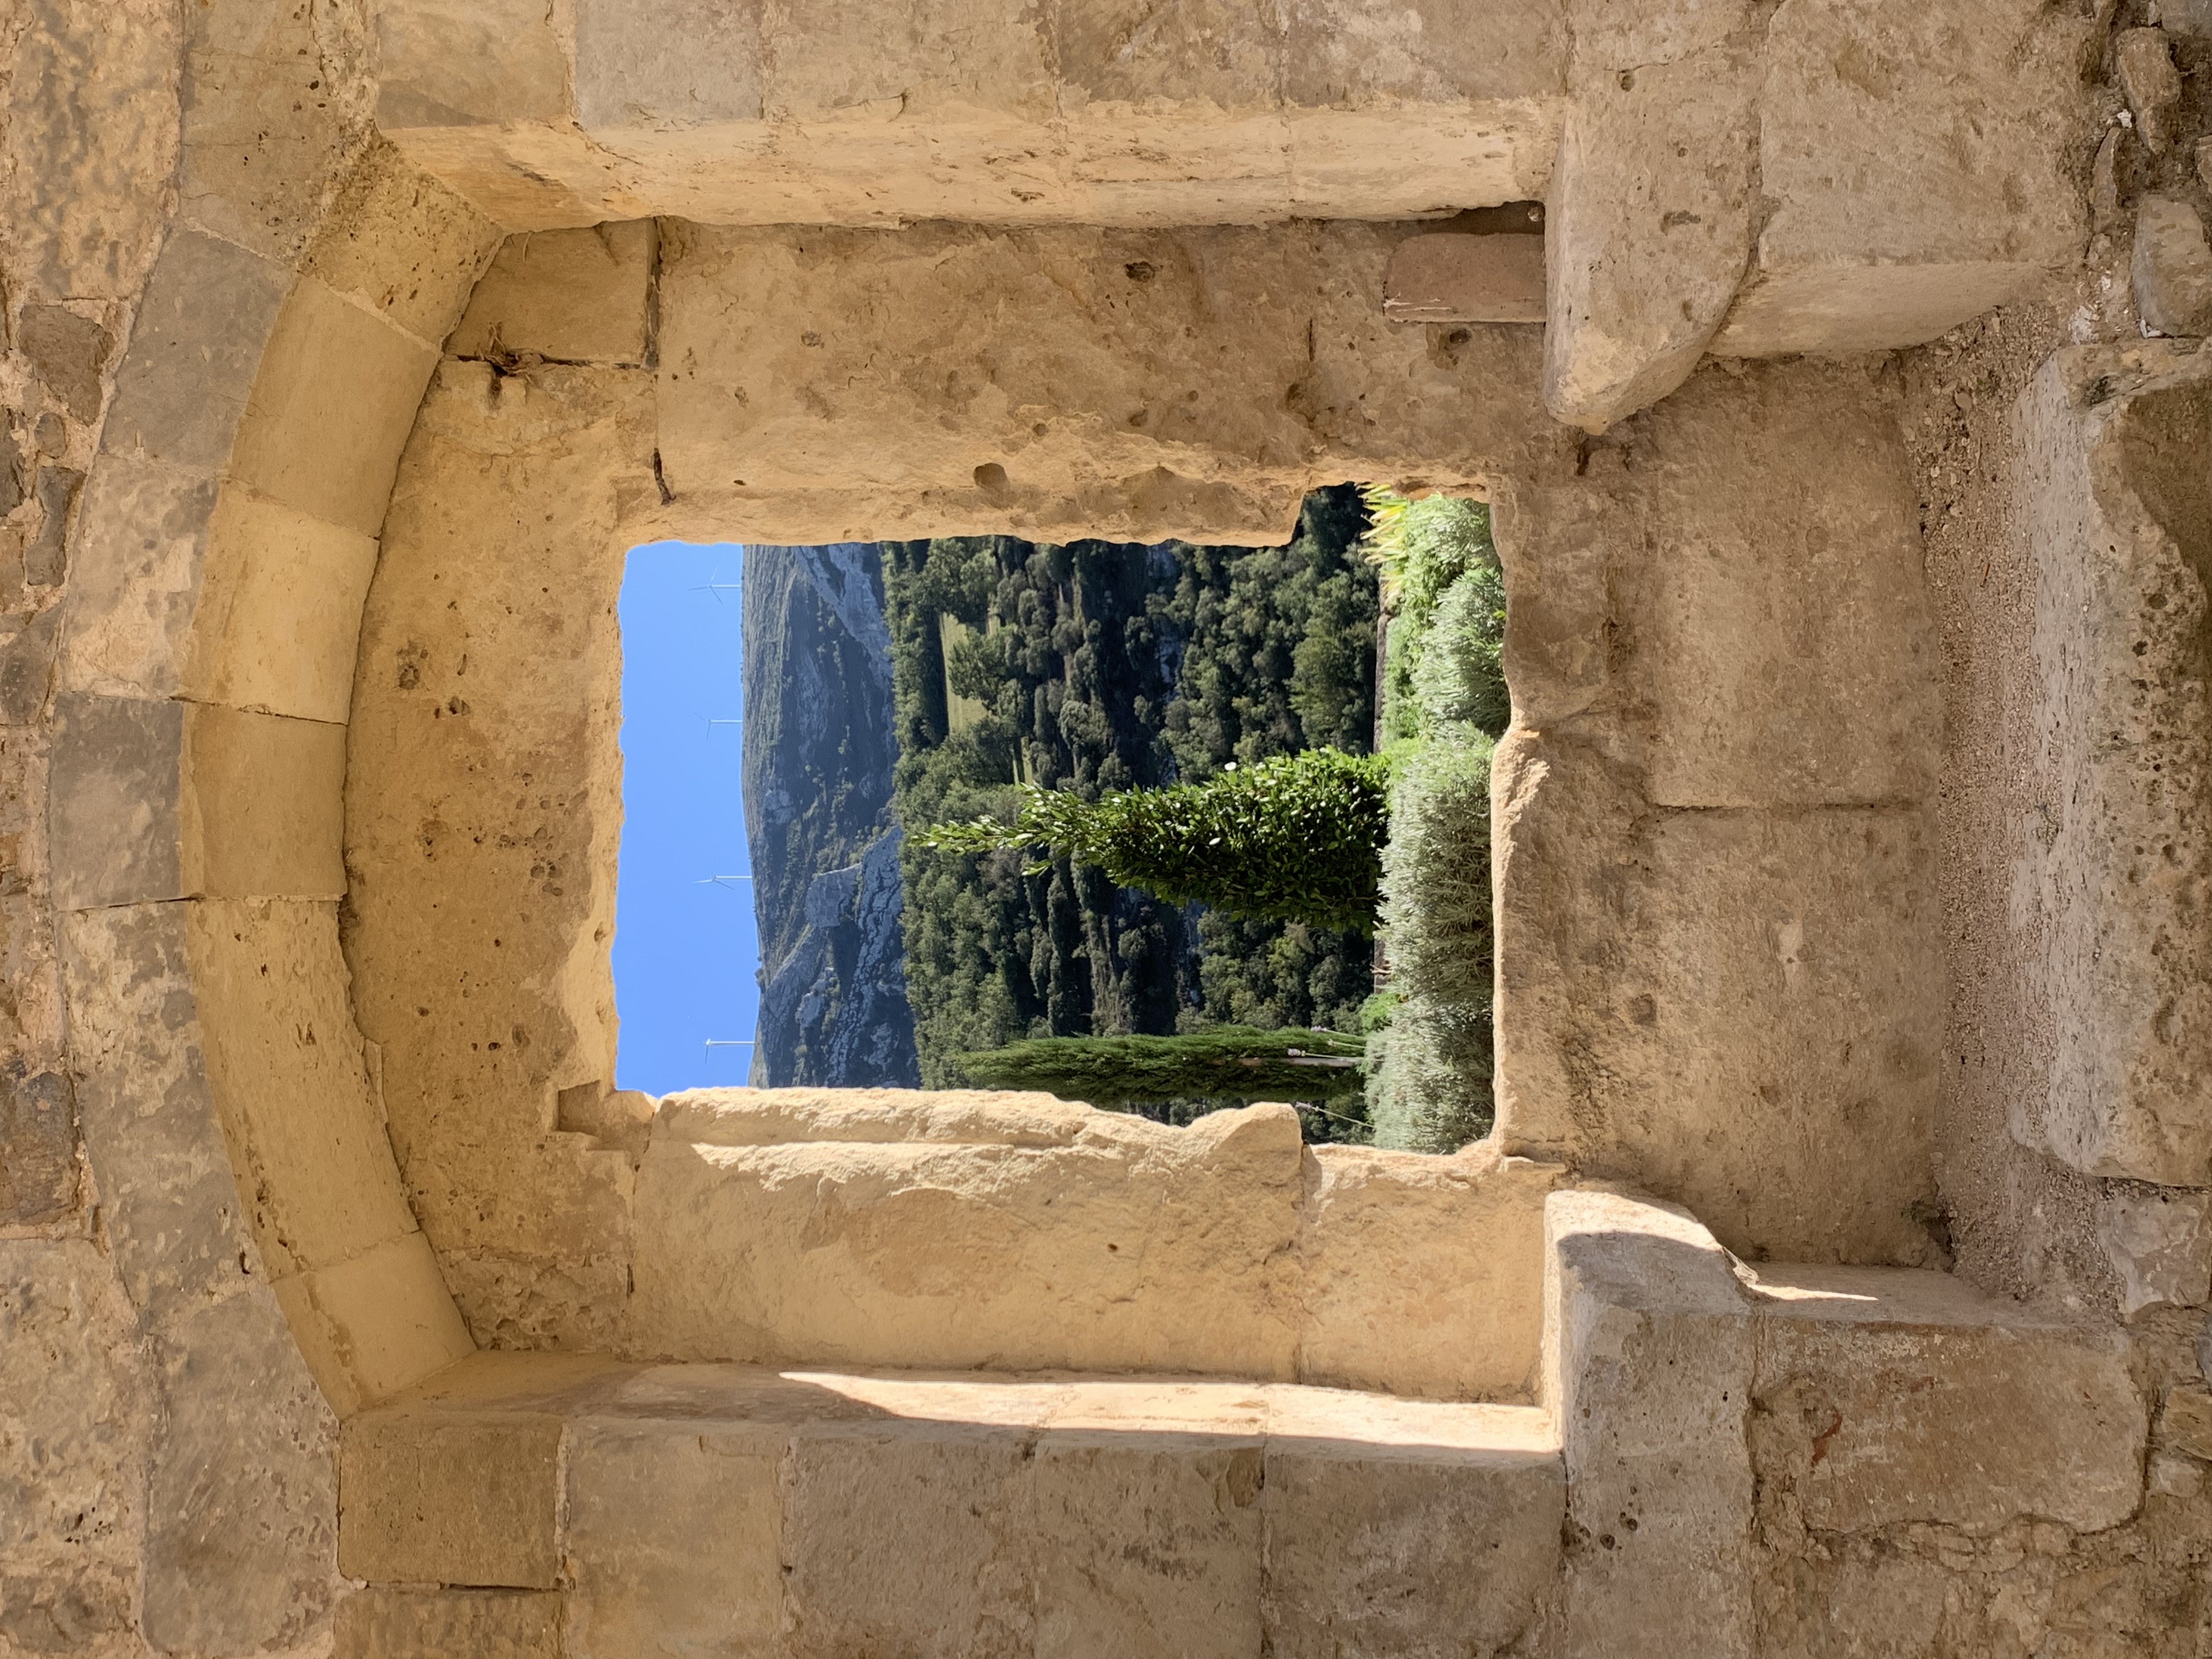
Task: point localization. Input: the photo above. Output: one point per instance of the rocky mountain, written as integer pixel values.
(819, 751)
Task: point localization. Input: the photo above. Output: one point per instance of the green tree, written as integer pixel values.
(1229, 1062)
(1294, 838)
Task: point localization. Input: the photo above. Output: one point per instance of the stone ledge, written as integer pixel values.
(818, 1512)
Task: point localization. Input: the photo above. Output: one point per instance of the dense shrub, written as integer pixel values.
(1227, 1063)
(1458, 679)
(1293, 838)
(1431, 1066)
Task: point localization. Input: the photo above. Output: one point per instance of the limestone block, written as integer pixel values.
(1610, 38)
(465, 62)
(74, 1402)
(2159, 1241)
(941, 58)
(336, 393)
(68, 352)
(1146, 1544)
(183, 384)
(777, 1117)
(46, 559)
(1898, 214)
(38, 1127)
(1371, 1552)
(481, 910)
(1136, 1247)
(92, 144)
(141, 542)
(1423, 1275)
(2172, 267)
(402, 243)
(375, 1324)
(2145, 63)
(279, 612)
(1642, 255)
(379, 1623)
(1650, 1350)
(908, 1538)
(1892, 1397)
(1117, 325)
(270, 121)
(666, 62)
(1449, 279)
(287, 1072)
(2119, 863)
(116, 769)
(570, 295)
(261, 812)
(2191, 18)
(168, 1200)
(1782, 655)
(1225, 56)
(435, 1496)
(1368, 53)
(241, 1496)
(2184, 1422)
(674, 1531)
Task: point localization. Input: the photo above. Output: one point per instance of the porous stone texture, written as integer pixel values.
(821, 1513)
(776, 1224)
(2172, 270)
(1717, 967)
(2113, 869)
(858, 114)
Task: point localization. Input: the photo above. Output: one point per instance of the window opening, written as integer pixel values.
(1103, 820)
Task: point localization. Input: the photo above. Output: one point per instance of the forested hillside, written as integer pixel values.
(1098, 667)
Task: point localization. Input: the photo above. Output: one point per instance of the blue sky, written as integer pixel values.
(685, 948)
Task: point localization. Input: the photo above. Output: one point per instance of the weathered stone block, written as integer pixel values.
(262, 815)
(116, 774)
(1650, 1353)
(169, 1199)
(27, 665)
(229, 1567)
(331, 409)
(134, 575)
(910, 1539)
(829, 59)
(2184, 1421)
(289, 1076)
(666, 62)
(278, 620)
(375, 1324)
(38, 1147)
(1642, 255)
(70, 353)
(183, 387)
(1423, 1275)
(1451, 279)
(2144, 60)
(1892, 1397)
(571, 295)
(46, 559)
(463, 61)
(403, 244)
(674, 1531)
(2159, 1241)
(1133, 1246)
(2118, 869)
(1146, 1545)
(2172, 267)
(1371, 1552)
(378, 1623)
(72, 1491)
(431, 1495)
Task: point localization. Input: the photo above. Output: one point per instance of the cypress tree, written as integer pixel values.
(1294, 838)
(1229, 1062)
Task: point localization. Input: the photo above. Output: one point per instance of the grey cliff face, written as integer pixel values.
(819, 749)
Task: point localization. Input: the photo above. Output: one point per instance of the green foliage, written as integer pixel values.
(1107, 668)
(1446, 594)
(1226, 1063)
(1293, 838)
(1430, 1084)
